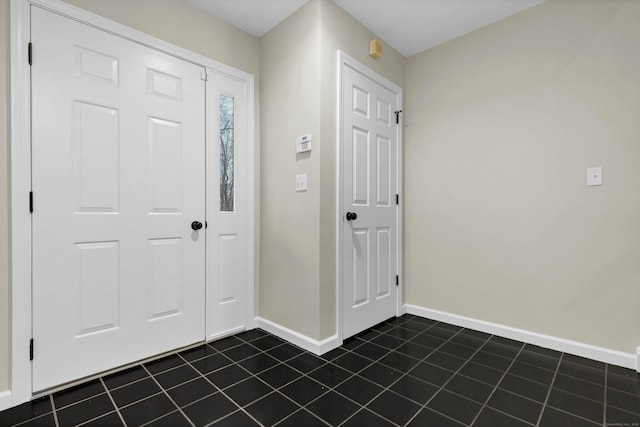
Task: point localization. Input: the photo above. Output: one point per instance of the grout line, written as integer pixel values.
(454, 372)
(296, 411)
(123, 385)
(84, 423)
(582, 418)
(495, 387)
(126, 405)
(221, 391)
(388, 387)
(168, 396)
(277, 390)
(559, 409)
(604, 402)
(112, 401)
(53, 409)
(353, 374)
(31, 420)
(546, 399)
(423, 361)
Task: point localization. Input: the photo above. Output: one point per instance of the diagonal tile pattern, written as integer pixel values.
(405, 371)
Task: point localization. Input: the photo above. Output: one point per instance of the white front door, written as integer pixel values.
(227, 289)
(369, 187)
(118, 164)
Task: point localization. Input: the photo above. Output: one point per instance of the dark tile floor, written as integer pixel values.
(406, 371)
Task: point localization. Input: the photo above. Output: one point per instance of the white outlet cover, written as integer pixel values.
(594, 176)
(301, 182)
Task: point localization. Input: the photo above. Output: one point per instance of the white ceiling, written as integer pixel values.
(256, 17)
(409, 26)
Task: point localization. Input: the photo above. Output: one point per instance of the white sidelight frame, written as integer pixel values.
(21, 235)
(344, 60)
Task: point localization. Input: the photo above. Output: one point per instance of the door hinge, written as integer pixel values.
(204, 76)
(397, 199)
(30, 201)
(31, 349)
(397, 280)
(30, 53)
(398, 116)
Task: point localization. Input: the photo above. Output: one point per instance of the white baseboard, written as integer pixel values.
(402, 310)
(296, 338)
(612, 357)
(6, 400)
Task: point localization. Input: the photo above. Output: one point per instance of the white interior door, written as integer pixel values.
(227, 205)
(118, 165)
(370, 214)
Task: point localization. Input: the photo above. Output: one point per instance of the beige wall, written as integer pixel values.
(174, 21)
(185, 25)
(298, 250)
(4, 194)
(502, 125)
(290, 97)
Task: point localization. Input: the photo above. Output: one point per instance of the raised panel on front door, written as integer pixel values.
(95, 66)
(96, 158)
(383, 173)
(166, 277)
(360, 167)
(97, 283)
(228, 250)
(165, 146)
(361, 279)
(164, 85)
(383, 262)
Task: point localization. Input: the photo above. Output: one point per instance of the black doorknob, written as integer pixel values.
(352, 216)
(196, 225)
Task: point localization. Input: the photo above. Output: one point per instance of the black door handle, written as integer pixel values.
(352, 216)
(196, 225)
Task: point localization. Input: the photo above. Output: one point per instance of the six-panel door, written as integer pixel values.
(118, 165)
(369, 251)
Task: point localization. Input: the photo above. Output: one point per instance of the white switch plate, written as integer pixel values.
(301, 182)
(594, 176)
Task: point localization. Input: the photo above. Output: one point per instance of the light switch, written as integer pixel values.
(594, 176)
(303, 143)
(301, 182)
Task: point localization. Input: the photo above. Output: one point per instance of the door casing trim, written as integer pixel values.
(344, 60)
(20, 298)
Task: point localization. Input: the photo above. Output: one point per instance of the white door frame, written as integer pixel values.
(345, 60)
(21, 237)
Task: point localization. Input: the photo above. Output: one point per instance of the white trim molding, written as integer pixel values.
(6, 400)
(638, 359)
(601, 354)
(20, 280)
(296, 338)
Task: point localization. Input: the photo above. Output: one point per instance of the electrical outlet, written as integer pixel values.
(301, 182)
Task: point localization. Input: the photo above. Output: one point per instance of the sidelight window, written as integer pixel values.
(226, 153)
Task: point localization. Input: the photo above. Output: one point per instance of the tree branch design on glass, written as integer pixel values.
(226, 153)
